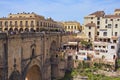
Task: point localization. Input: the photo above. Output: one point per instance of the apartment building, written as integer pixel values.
(104, 31)
(99, 26)
(27, 22)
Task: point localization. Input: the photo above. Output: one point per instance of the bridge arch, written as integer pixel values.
(34, 73)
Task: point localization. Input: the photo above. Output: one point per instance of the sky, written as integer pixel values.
(59, 10)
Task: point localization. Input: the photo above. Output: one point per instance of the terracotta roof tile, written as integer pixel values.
(98, 13)
(117, 9)
(112, 16)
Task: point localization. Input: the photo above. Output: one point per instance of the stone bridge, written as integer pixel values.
(30, 56)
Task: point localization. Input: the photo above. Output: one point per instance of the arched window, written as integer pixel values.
(37, 23)
(21, 23)
(32, 30)
(6, 23)
(16, 23)
(21, 29)
(26, 30)
(32, 24)
(10, 23)
(26, 23)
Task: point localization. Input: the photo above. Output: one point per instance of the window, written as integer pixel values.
(98, 18)
(75, 27)
(104, 40)
(109, 25)
(115, 33)
(21, 23)
(26, 23)
(10, 23)
(106, 21)
(112, 47)
(104, 47)
(41, 24)
(116, 25)
(111, 19)
(104, 33)
(89, 34)
(106, 26)
(71, 27)
(95, 46)
(68, 27)
(98, 26)
(76, 57)
(6, 23)
(114, 41)
(32, 24)
(97, 33)
(16, 23)
(89, 27)
(91, 17)
(98, 22)
(37, 23)
(0, 23)
(100, 39)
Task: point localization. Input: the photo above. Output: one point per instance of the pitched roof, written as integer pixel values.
(98, 13)
(90, 24)
(117, 9)
(112, 16)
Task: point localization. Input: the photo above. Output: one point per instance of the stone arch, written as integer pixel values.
(11, 30)
(15, 75)
(37, 29)
(16, 30)
(6, 29)
(26, 30)
(32, 30)
(34, 73)
(21, 30)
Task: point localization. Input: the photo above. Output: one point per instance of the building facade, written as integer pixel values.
(104, 31)
(72, 26)
(104, 27)
(27, 22)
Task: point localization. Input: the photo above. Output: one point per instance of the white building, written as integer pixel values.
(104, 30)
(100, 26)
